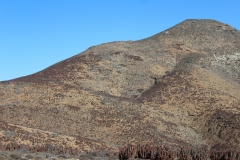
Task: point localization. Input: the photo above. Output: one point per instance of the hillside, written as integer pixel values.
(180, 87)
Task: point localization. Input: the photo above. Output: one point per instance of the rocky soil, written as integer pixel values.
(180, 87)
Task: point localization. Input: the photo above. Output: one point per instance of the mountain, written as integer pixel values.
(180, 87)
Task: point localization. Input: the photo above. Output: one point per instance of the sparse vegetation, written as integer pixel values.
(162, 152)
(169, 153)
(165, 89)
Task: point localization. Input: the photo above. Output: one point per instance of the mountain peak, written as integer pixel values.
(204, 27)
(202, 23)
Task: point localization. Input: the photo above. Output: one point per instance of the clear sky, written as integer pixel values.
(35, 34)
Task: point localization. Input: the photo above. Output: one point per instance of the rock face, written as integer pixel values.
(180, 87)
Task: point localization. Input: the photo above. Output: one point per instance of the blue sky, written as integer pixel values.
(35, 34)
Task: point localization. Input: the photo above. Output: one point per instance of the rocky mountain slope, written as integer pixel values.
(180, 87)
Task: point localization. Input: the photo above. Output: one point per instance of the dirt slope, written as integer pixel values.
(178, 87)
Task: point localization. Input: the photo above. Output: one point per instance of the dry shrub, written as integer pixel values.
(163, 152)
